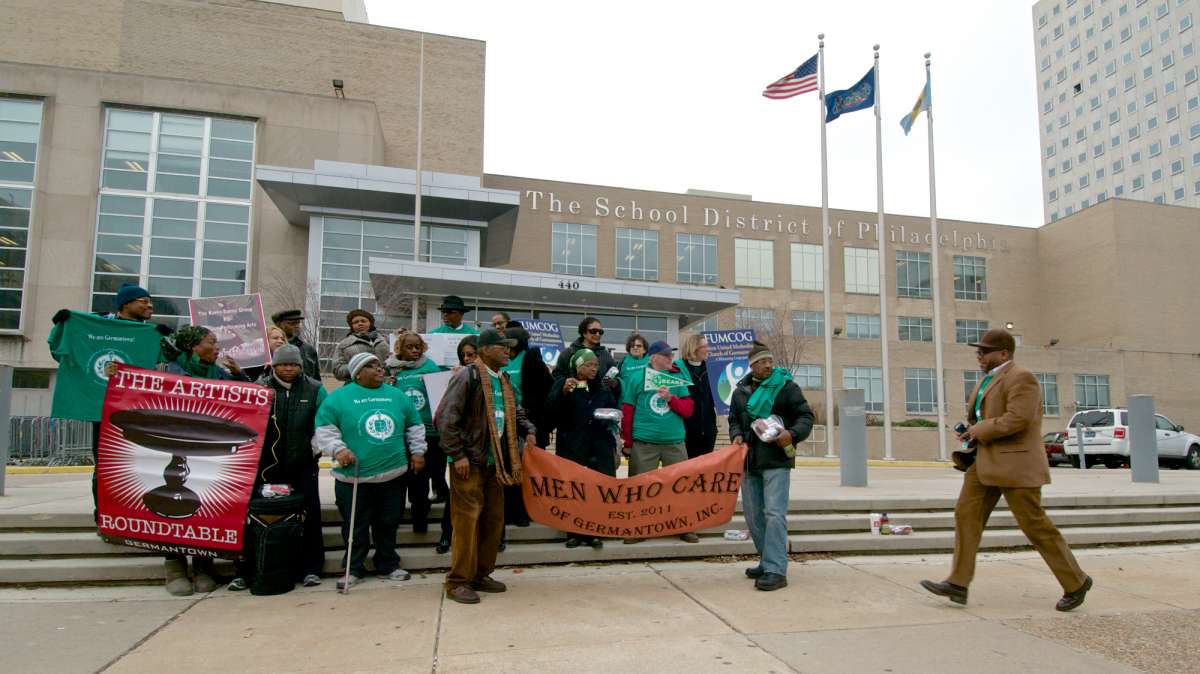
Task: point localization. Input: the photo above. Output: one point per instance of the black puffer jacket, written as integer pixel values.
(582, 438)
(287, 453)
(704, 415)
(790, 405)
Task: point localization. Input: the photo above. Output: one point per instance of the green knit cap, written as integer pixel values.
(582, 356)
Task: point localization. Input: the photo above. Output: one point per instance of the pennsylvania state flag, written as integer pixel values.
(858, 97)
(924, 102)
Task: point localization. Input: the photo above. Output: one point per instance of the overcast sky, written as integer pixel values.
(666, 95)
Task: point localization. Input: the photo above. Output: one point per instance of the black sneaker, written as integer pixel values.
(755, 572)
(572, 542)
(771, 581)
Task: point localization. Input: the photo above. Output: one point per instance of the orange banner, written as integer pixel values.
(696, 494)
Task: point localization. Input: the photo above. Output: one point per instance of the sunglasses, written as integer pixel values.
(595, 331)
(984, 352)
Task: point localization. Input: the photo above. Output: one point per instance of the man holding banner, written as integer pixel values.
(652, 426)
(768, 415)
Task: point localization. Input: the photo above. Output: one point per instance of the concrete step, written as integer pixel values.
(858, 507)
(122, 568)
(58, 543)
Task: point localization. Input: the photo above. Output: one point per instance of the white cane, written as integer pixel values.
(350, 538)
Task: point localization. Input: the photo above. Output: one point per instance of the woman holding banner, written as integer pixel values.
(192, 351)
(407, 367)
(702, 425)
(582, 437)
(362, 338)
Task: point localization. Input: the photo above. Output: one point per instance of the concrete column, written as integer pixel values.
(6, 375)
(853, 425)
(1143, 441)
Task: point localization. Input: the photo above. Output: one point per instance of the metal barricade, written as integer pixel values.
(47, 441)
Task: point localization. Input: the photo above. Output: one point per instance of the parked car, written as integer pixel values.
(1106, 440)
(1054, 448)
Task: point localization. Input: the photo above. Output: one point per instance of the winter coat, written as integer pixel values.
(462, 418)
(308, 354)
(606, 362)
(288, 456)
(703, 421)
(354, 344)
(582, 437)
(790, 405)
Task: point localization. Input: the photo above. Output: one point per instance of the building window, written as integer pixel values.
(808, 323)
(920, 396)
(862, 326)
(808, 376)
(176, 221)
(1091, 391)
(1049, 384)
(696, 259)
(870, 380)
(348, 244)
(759, 320)
(637, 254)
(967, 331)
(753, 262)
(912, 274)
(970, 278)
(807, 267)
(573, 249)
(20, 131)
(31, 379)
(971, 379)
(915, 329)
(861, 270)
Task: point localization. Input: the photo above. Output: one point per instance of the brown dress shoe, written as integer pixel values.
(488, 584)
(462, 594)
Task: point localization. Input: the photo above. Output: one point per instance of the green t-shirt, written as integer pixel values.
(514, 374)
(411, 382)
(653, 420)
(631, 375)
(84, 345)
(462, 329)
(372, 422)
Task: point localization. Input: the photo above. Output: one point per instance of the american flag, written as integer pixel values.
(800, 81)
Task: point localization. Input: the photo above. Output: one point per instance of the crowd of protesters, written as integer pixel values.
(501, 399)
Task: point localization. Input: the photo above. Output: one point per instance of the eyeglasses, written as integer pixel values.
(984, 352)
(595, 331)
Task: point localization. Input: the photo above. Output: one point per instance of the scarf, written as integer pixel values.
(508, 468)
(763, 398)
(194, 368)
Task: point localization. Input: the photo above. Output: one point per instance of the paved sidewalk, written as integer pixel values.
(863, 614)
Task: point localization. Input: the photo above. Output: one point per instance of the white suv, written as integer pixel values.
(1106, 438)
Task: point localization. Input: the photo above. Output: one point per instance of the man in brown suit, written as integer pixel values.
(1005, 413)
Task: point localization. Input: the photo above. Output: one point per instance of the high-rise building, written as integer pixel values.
(1118, 102)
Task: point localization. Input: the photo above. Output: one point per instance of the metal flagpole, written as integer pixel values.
(828, 328)
(881, 233)
(416, 300)
(939, 381)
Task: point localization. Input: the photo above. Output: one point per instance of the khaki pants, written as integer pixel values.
(477, 516)
(975, 504)
(645, 457)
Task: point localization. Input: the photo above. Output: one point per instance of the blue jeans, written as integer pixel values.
(765, 502)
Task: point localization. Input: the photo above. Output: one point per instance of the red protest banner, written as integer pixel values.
(696, 494)
(176, 461)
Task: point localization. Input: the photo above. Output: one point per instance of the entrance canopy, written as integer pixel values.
(396, 281)
(345, 188)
